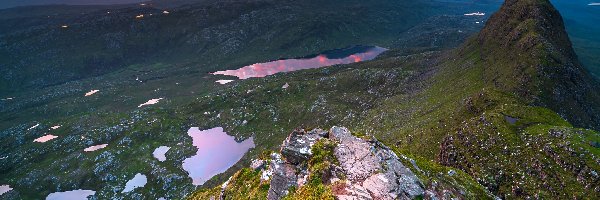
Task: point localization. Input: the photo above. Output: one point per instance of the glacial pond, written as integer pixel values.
(328, 58)
(139, 180)
(45, 138)
(216, 153)
(4, 189)
(71, 195)
(159, 153)
(95, 148)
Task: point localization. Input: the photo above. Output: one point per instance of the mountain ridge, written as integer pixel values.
(527, 52)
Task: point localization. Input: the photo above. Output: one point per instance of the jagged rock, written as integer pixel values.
(354, 155)
(297, 147)
(370, 169)
(257, 164)
(283, 177)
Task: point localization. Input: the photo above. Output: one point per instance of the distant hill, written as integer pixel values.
(14, 3)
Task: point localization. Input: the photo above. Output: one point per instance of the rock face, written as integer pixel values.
(284, 176)
(371, 170)
(297, 147)
(296, 150)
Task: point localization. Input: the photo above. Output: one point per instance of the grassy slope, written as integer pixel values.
(37, 52)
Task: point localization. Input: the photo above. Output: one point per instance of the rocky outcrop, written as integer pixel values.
(288, 169)
(297, 147)
(370, 169)
(335, 164)
(283, 177)
(373, 171)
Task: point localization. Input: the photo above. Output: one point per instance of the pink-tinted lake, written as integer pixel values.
(328, 58)
(216, 153)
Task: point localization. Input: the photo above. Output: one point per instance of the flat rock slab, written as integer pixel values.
(373, 171)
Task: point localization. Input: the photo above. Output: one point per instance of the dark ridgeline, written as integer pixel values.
(527, 51)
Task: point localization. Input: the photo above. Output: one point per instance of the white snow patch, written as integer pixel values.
(71, 195)
(34, 127)
(159, 153)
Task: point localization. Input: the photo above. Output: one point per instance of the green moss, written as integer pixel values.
(320, 163)
(244, 184)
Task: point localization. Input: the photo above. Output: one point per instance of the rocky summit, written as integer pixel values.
(350, 167)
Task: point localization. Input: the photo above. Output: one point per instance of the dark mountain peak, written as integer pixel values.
(523, 24)
(525, 50)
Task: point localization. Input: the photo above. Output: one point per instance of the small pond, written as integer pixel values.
(139, 180)
(4, 189)
(71, 195)
(159, 153)
(216, 153)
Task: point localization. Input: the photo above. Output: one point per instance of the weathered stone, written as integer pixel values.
(354, 155)
(257, 164)
(284, 176)
(297, 147)
(372, 167)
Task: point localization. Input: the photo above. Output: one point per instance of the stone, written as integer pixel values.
(283, 177)
(373, 170)
(257, 164)
(354, 155)
(297, 146)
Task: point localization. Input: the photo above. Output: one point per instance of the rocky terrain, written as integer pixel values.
(509, 113)
(335, 164)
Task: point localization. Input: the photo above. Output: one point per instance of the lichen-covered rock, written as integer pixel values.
(285, 169)
(297, 147)
(283, 177)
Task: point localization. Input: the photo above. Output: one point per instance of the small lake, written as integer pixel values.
(139, 180)
(45, 138)
(4, 189)
(217, 152)
(328, 58)
(71, 195)
(159, 153)
(95, 148)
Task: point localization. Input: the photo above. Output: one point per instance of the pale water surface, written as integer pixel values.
(217, 152)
